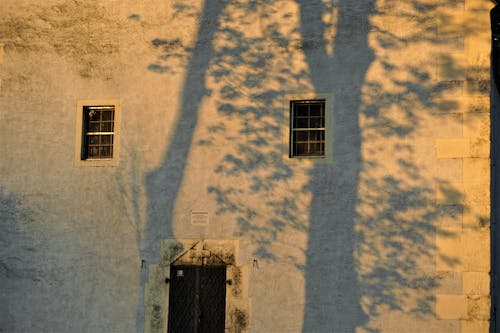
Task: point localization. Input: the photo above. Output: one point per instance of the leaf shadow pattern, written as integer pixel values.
(399, 219)
(278, 203)
(250, 73)
(368, 231)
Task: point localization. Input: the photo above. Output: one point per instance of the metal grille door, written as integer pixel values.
(197, 299)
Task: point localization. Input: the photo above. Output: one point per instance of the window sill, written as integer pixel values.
(105, 162)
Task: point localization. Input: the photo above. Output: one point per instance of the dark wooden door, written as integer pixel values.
(197, 300)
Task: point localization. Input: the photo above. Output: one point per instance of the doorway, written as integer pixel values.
(197, 299)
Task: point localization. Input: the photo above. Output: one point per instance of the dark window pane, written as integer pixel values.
(301, 122)
(107, 127)
(93, 139)
(316, 135)
(300, 149)
(107, 115)
(301, 110)
(300, 136)
(316, 122)
(93, 152)
(106, 139)
(315, 149)
(105, 151)
(94, 127)
(315, 110)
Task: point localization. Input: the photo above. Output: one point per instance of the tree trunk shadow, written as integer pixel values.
(163, 184)
(332, 291)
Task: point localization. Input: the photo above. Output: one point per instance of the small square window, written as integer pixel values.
(97, 133)
(307, 128)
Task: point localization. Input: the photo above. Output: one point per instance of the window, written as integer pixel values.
(97, 133)
(307, 128)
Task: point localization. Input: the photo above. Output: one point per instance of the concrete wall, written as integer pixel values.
(390, 234)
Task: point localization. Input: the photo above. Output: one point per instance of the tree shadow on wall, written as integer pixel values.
(369, 229)
(404, 108)
(163, 184)
(333, 292)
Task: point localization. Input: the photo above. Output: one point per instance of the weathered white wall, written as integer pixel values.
(390, 235)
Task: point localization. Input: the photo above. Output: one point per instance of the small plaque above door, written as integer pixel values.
(199, 218)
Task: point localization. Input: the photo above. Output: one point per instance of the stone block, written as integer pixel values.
(451, 306)
(451, 66)
(474, 326)
(476, 250)
(478, 5)
(476, 170)
(479, 58)
(478, 40)
(478, 103)
(449, 282)
(451, 106)
(453, 148)
(477, 86)
(449, 193)
(476, 283)
(478, 308)
(449, 169)
(477, 216)
(480, 147)
(448, 89)
(452, 26)
(449, 216)
(476, 194)
(448, 250)
(477, 74)
(476, 124)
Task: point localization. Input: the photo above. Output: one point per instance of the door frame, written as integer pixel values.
(197, 252)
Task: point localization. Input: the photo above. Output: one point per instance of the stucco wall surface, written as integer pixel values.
(388, 233)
